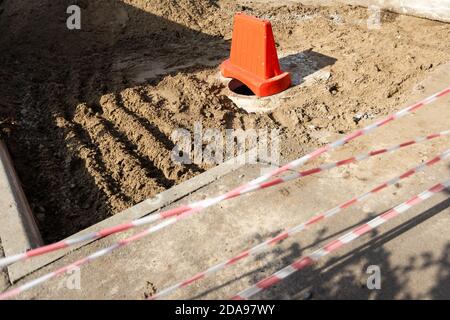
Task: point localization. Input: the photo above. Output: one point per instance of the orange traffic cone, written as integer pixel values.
(253, 59)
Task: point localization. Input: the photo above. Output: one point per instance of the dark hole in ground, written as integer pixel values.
(238, 87)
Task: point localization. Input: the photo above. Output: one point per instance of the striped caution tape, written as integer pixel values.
(340, 242)
(147, 220)
(298, 228)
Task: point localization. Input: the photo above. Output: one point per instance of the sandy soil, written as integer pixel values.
(88, 115)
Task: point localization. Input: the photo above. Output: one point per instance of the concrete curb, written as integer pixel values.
(18, 229)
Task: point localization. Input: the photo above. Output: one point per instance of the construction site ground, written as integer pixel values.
(412, 251)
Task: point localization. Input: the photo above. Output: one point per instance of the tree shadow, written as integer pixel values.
(337, 280)
(294, 251)
(441, 289)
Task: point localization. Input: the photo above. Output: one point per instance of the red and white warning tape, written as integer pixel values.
(147, 220)
(340, 242)
(179, 213)
(127, 241)
(298, 228)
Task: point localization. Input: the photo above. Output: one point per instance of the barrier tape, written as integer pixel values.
(179, 213)
(170, 221)
(147, 220)
(298, 228)
(340, 242)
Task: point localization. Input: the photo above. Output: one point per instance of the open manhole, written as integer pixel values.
(238, 87)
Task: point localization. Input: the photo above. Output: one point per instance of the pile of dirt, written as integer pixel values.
(88, 114)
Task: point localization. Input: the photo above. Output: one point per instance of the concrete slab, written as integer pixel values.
(412, 251)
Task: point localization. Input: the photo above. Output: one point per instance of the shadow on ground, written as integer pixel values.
(301, 66)
(338, 280)
(304, 64)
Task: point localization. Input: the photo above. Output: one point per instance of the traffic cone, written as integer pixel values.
(253, 59)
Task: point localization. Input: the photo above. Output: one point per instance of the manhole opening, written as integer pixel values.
(238, 87)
